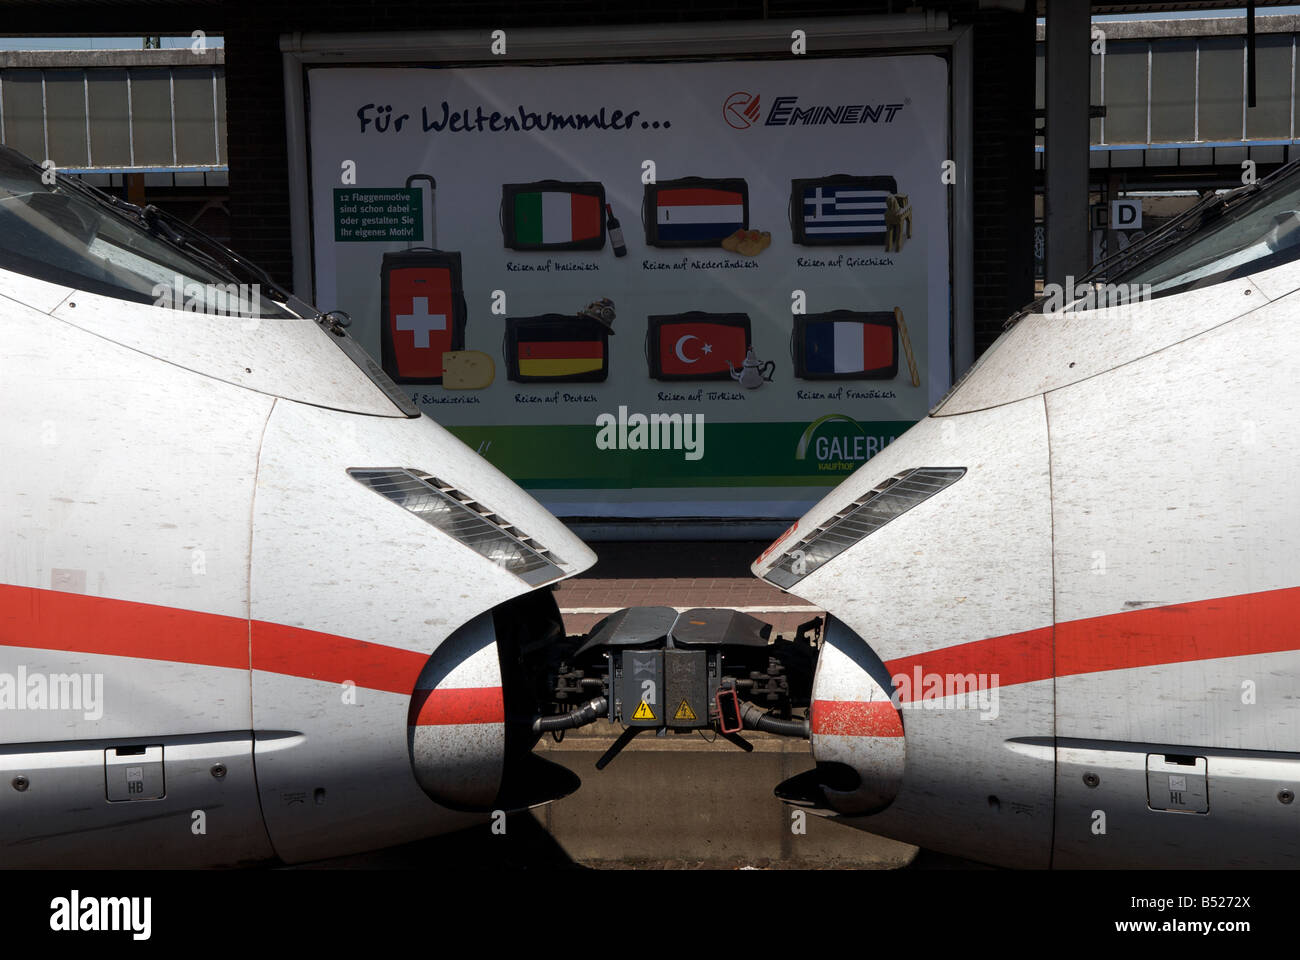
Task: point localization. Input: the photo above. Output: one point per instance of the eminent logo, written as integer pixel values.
(787, 111)
(741, 110)
(839, 444)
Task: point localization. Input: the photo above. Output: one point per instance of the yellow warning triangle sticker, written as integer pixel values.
(684, 712)
(643, 712)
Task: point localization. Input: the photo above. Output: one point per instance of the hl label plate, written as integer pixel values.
(1177, 784)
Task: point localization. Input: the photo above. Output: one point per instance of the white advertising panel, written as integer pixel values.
(646, 289)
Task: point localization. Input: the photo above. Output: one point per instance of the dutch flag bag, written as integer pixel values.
(694, 212)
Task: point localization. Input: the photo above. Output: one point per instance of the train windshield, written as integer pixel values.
(69, 235)
(1239, 233)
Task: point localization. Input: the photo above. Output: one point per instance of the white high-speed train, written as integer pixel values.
(1065, 607)
(254, 607)
(250, 600)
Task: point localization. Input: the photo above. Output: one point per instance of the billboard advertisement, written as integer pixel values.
(646, 289)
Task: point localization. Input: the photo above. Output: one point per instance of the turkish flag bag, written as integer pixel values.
(696, 345)
(422, 306)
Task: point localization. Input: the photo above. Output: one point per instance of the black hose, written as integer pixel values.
(756, 719)
(588, 713)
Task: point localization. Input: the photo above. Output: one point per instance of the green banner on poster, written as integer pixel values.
(630, 452)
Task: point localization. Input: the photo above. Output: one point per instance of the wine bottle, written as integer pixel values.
(615, 233)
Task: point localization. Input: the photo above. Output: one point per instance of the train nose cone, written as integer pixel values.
(857, 731)
(373, 572)
(456, 723)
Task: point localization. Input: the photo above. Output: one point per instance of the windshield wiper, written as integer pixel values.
(1191, 221)
(176, 232)
(199, 243)
(123, 209)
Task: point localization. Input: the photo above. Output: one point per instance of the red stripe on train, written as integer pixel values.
(73, 622)
(1240, 626)
(297, 652)
(1254, 623)
(51, 620)
(1251, 623)
(844, 718)
(463, 705)
(1015, 658)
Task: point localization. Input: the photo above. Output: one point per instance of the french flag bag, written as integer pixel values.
(694, 212)
(845, 345)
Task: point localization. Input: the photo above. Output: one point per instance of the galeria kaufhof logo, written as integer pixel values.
(743, 110)
(836, 443)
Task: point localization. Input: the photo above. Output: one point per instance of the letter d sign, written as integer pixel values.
(1126, 215)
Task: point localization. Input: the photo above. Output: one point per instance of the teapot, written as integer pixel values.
(752, 373)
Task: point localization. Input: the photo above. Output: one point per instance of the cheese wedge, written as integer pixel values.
(467, 370)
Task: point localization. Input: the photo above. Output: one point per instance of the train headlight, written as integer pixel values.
(859, 519)
(460, 516)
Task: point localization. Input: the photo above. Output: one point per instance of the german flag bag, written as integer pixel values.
(556, 348)
(840, 209)
(844, 345)
(553, 215)
(696, 346)
(694, 212)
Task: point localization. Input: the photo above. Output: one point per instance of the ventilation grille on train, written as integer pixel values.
(859, 519)
(458, 515)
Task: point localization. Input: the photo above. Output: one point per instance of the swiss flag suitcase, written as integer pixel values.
(422, 306)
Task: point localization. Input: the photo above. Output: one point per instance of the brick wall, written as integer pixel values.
(1004, 169)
